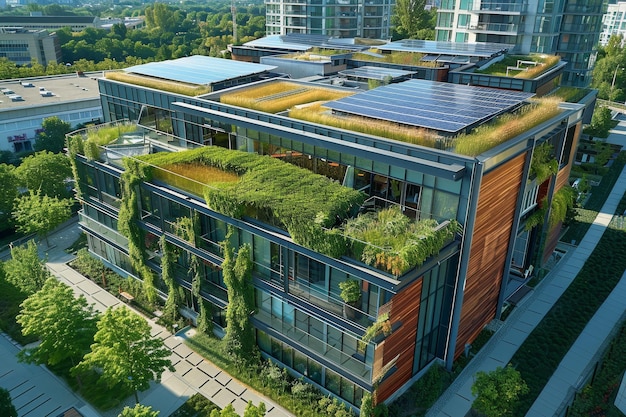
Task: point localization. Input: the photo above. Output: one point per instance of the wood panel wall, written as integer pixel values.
(401, 343)
(490, 243)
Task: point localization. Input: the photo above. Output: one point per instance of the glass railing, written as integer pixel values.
(496, 27)
(91, 224)
(502, 7)
(299, 337)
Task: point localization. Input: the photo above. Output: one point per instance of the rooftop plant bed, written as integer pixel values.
(309, 206)
(172, 87)
(544, 63)
(89, 141)
(280, 96)
(399, 58)
(506, 127)
(317, 113)
(315, 54)
(571, 94)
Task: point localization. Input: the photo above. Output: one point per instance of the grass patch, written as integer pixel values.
(506, 127)
(196, 406)
(172, 87)
(571, 94)
(399, 58)
(559, 329)
(280, 96)
(104, 135)
(194, 177)
(500, 68)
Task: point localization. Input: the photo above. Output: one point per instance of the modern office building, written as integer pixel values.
(50, 23)
(26, 103)
(613, 22)
(418, 196)
(570, 29)
(22, 46)
(341, 18)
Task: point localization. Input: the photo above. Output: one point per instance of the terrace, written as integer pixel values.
(527, 67)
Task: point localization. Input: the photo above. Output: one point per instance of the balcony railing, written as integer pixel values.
(495, 27)
(501, 7)
(91, 224)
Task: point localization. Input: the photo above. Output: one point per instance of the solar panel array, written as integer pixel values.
(444, 107)
(478, 49)
(198, 69)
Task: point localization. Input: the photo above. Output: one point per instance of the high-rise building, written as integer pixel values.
(383, 234)
(337, 18)
(570, 28)
(614, 22)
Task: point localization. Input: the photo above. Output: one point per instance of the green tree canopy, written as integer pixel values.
(25, 270)
(138, 410)
(254, 410)
(52, 138)
(125, 352)
(411, 19)
(45, 171)
(8, 193)
(7, 409)
(497, 391)
(65, 325)
(40, 214)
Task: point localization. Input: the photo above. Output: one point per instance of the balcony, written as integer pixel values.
(110, 234)
(500, 28)
(501, 8)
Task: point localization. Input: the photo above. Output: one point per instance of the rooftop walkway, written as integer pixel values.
(458, 398)
(193, 373)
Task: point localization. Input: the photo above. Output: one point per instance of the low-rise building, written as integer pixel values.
(22, 46)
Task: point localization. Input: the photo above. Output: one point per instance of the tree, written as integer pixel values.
(47, 172)
(52, 137)
(64, 324)
(497, 391)
(228, 411)
(125, 353)
(25, 270)
(8, 193)
(367, 406)
(408, 17)
(254, 410)
(7, 409)
(138, 410)
(37, 213)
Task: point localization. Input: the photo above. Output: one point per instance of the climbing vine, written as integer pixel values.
(170, 311)
(543, 164)
(239, 338)
(75, 147)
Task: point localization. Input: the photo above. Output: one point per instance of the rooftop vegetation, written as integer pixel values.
(544, 63)
(172, 87)
(315, 54)
(506, 127)
(280, 96)
(400, 58)
(571, 94)
(311, 207)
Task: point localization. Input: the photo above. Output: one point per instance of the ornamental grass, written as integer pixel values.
(194, 177)
(277, 97)
(172, 87)
(103, 136)
(545, 62)
(506, 127)
(400, 58)
(317, 113)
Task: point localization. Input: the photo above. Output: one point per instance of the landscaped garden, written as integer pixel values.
(528, 70)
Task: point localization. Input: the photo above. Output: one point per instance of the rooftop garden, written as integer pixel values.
(571, 94)
(280, 96)
(399, 58)
(318, 213)
(172, 87)
(528, 66)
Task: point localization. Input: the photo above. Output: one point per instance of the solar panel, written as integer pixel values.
(198, 69)
(434, 105)
(375, 73)
(477, 49)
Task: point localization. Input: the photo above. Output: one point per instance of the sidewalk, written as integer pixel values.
(457, 399)
(193, 373)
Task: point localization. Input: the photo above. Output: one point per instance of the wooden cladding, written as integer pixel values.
(490, 243)
(400, 344)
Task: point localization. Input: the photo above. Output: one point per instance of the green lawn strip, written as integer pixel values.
(598, 396)
(586, 215)
(212, 349)
(545, 347)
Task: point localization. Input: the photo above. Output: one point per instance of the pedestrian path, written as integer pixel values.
(192, 373)
(458, 398)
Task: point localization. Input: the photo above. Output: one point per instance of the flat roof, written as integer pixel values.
(62, 89)
(375, 73)
(439, 106)
(297, 42)
(199, 70)
(477, 49)
(48, 19)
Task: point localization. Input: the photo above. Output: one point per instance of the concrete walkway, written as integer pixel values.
(457, 400)
(193, 373)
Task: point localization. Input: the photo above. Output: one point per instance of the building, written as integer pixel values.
(569, 29)
(22, 46)
(341, 18)
(348, 310)
(613, 22)
(50, 23)
(25, 104)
